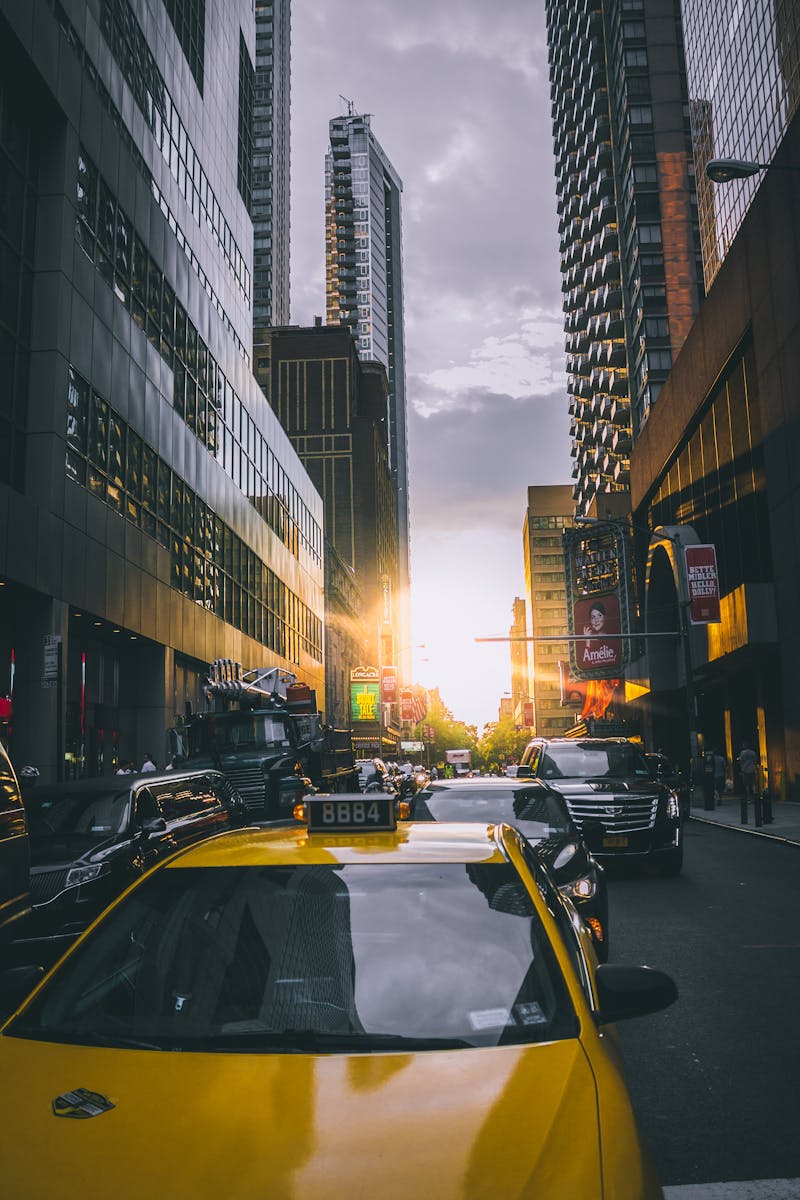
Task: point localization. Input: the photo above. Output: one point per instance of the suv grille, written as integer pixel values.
(47, 884)
(249, 783)
(618, 816)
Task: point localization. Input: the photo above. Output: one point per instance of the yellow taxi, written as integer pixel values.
(345, 1007)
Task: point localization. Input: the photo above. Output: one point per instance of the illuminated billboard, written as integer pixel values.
(597, 566)
(365, 694)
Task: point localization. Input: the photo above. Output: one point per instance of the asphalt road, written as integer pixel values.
(715, 1079)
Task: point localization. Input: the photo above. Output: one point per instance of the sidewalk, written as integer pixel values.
(785, 826)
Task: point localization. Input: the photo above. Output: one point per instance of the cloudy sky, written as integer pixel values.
(459, 99)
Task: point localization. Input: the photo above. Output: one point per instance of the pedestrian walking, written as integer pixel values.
(707, 779)
(720, 775)
(746, 762)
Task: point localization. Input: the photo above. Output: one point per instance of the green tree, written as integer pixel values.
(502, 743)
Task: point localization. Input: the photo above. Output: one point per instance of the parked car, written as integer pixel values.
(622, 811)
(15, 900)
(540, 813)
(90, 838)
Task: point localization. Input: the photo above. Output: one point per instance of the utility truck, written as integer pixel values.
(263, 730)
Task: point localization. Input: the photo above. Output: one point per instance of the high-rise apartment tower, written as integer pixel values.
(364, 286)
(270, 181)
(628, 230)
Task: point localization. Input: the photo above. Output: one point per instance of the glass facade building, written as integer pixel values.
(743, 69)
(271, 173)
(364, 284)
(153, 513)
(628, 230)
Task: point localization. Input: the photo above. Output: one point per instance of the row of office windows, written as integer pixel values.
(129, 46)
(209, 563)
(202, 394)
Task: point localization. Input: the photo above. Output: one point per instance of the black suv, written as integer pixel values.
(622, 811)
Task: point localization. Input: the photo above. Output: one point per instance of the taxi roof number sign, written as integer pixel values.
(350, 814)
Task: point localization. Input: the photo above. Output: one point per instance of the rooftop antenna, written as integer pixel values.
(351, 108)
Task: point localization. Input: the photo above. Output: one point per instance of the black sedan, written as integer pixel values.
(538, 812)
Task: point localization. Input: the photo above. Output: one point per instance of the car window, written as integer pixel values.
(576, 760)
(356, 956)
(565, 917)
(88, 813)
(185, 797)
(537, 810)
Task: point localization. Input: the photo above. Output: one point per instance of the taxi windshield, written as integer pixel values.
(315, 959)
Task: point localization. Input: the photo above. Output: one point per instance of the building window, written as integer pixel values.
(188, 19)
(245, 144)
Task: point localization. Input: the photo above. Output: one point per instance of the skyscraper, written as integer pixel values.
(364, 286)
(629, 242)
(153, 513)
(271, 191)
(743, 69)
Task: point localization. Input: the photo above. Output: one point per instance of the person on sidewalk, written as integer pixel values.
(720, 775)
(747, 769)
(707, 780)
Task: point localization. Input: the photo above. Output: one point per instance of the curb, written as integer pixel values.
(754, 832)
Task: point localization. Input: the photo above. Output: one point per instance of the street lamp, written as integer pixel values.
(723, 170)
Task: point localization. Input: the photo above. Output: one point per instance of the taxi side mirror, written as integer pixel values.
(153, 825)
(624, 992)
(524, 773)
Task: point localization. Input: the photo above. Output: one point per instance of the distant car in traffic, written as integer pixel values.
(91, 838)
(342, 1008)
(623, 812)
(665, 771)
(540, 813)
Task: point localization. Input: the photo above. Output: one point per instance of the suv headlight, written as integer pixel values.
(78, 875)
(673, 806)
(582, 888)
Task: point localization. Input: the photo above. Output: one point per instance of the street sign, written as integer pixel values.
(51, 655)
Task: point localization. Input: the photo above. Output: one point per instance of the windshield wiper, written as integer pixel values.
(80, 1037)
(314, 1041)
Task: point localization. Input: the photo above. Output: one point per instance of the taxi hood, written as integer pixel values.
(246, 1126)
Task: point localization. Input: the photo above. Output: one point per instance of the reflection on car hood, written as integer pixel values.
(307, 1126)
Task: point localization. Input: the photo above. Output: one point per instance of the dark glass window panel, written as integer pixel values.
(139, 271)
(96, 484)
(149, 469)
(107, 222)
(134, 465)
(188, 514)
(187, 576)
(77, 410)
(212, 380)
(86, 191)
(114, 497)
(191, 403)
(202, 365)
(148, 523)
(177, 505)
(237, 606)
(154, 281)
(212, 430)
(164, 534)
(202, 425)
(167, 322)
(138, 314)
(12, 202)
(200, 530)
(98, 431)
(116, 450)
(163, 490)
(180, 330)
(132, 511)
(179, 387)
(122, 260)
(75, 467)
(199, 584)
(85, 239)
(191, 347)
(177, 561)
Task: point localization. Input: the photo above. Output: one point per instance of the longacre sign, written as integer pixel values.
(702, 581)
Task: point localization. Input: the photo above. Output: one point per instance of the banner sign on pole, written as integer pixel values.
(702, 581)
(389, 685)
(597, 567)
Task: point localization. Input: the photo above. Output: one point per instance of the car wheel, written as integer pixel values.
(672, 861)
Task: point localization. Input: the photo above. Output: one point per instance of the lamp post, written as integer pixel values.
(723, 170)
